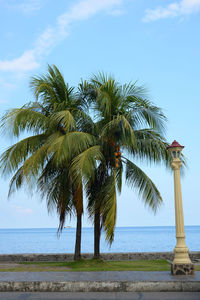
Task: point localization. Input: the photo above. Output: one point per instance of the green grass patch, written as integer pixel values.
(91, 265)
(99, 265)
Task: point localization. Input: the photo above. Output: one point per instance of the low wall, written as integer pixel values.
(195, 256)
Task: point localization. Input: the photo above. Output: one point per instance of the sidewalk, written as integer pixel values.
(123, 281)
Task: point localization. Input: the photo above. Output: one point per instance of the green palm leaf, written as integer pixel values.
(17, 154)
(120, 129)
(24, 119)
(109, 207)
(69, 145)
(151, 147)
(65, 119)
(146, 113)
(16, 181)
(84, 165)
(135, 177)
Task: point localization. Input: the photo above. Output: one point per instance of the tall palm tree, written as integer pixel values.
(54, 121)
(57, 187)
(128, 128)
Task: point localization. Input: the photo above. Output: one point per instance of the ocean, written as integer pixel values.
(127, 239)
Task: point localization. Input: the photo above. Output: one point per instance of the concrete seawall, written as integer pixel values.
(97, 286)
(108, 281)
(56, 257)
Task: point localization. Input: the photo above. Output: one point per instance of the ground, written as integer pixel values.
(100, 296)
(88, 265)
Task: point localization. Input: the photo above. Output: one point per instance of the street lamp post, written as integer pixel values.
(182, 264)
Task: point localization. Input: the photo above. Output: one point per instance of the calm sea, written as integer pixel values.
(127, 239)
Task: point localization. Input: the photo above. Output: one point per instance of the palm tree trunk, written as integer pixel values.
(77, 254)
(97, 234)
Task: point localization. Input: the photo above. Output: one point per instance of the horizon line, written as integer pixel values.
(87, 227)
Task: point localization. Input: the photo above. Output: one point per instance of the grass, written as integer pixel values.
(91, 265)
(100, 265)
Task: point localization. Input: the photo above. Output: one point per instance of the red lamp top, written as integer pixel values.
(175, 144)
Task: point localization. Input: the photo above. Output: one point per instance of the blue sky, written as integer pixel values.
(156, 42)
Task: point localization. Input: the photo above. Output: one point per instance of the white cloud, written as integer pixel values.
(26, 62)
(175, 9)
(46, 41)
(30, 5)
(53, 35)
(22, 211)
(25, 6)
(84, 9)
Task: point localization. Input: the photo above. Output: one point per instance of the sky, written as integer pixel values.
(155, 42)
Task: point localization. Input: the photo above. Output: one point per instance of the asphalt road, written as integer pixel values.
(105, 276)
(99, 296)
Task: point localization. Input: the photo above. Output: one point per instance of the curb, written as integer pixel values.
(194, 255)
(99, 286)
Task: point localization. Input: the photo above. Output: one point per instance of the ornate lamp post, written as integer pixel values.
(181, 264)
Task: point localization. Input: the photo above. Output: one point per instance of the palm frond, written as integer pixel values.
(52, 90)
(17, 154)
(136, 178)
(132, 90)
(119, 173)
(145, 112)
(85, 122)
(35, 163)
(107, 95)
(69, 145)
(55, 187)
(109, 207)
(64, 119)
(16, 181)
(85, 164)
(18, 120)
(119, 129)
(151, 147)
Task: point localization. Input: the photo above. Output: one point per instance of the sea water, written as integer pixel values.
(127, 239)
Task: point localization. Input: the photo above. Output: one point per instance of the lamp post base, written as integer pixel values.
(182, 269)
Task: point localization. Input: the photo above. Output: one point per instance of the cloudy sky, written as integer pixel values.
(156, 42)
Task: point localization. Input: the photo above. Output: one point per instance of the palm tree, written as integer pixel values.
(69, 150)
(54, 121)
(57, 187)
(128, 128)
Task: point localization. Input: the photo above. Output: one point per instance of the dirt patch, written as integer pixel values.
(30, 267)
(45, 268)
(8, 265)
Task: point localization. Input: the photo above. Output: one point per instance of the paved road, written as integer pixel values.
(99, 296)
(96, 276)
